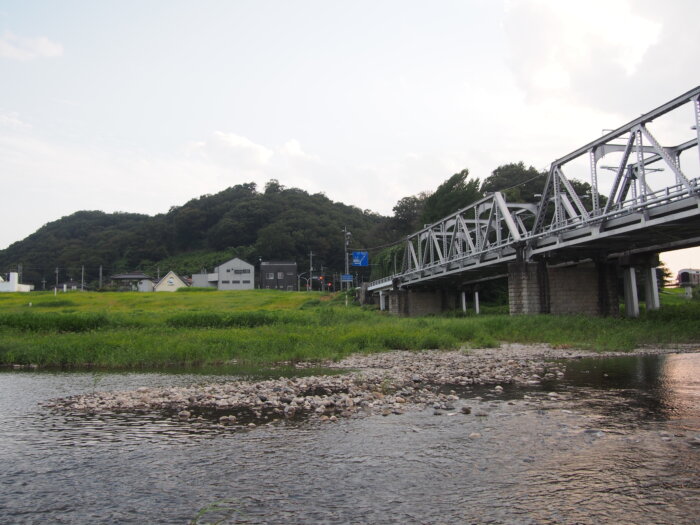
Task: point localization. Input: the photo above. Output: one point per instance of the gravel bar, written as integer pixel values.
(386, 383)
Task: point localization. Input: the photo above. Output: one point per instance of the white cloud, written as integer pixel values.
(248, 160)
(50, 180)
(623, 56)
(234, 151)
(20, 48)
(12, 120)
(292, 149)
(554, 44)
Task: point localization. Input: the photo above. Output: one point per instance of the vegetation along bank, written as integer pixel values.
(264, 327)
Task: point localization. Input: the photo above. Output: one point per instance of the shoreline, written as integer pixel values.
(385, 383)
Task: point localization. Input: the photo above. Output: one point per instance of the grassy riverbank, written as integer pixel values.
(132, 330)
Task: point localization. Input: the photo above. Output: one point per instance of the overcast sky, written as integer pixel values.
(138, 106)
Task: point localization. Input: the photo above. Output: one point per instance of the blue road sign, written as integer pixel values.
(360, 259)
(345, 278)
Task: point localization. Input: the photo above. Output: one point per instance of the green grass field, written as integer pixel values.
(141, 330)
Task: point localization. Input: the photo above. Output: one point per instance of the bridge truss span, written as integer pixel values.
(477, 236)
(650, 204)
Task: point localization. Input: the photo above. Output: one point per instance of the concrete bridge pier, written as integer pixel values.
(647, 268)
(464, 303)
(587, 288)
(629, 279)
(651, 288)
(527, 288)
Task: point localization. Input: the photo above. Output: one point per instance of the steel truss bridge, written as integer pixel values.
(639, 215)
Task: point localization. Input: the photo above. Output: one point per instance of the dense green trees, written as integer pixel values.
(521, 184)
(453, 194)
(277, 223)
(516, 182)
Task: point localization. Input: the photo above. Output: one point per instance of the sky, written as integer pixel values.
(139, 106)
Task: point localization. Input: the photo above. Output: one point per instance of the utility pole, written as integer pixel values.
(82, 278)
(100, 276)
(57, 278)
(346, 241)
(311, 272)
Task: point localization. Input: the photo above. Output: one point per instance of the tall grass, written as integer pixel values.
(151, 330)
(54, 322)
(220, 320)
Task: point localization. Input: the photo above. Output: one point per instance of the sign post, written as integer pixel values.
(360, 258)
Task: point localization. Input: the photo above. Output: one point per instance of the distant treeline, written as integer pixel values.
(277, 223)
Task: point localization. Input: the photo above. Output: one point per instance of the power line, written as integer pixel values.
(381, 246)
(521, 183)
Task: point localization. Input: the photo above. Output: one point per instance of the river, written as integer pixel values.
(616, 441)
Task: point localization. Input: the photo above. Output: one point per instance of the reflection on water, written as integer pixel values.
(649, 387)
(619, 443)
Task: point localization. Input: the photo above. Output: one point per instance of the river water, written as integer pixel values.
(618, 443)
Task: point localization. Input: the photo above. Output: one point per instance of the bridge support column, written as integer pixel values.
(651, 289)
(476, 302)
(587, 288)
(631, 300)
(526, 288)
(463, 296)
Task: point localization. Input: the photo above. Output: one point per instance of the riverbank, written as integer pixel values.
(132, 331)
(386, 383)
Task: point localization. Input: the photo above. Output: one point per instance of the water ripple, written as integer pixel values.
(620, 443)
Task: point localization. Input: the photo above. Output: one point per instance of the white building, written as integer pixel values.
(13, 284)
(170, 283)
(235, 274)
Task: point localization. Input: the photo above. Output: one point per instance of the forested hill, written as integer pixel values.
(277, 223)
(274, 224)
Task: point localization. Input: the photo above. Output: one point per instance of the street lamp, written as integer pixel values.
(306, 281)
(261, 272)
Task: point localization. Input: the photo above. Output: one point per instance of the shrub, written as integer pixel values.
(57, 303)
(74, 322)
(217, 320)
(311, 303)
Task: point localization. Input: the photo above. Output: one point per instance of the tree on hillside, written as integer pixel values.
(453, 194)
(408, 212)
(412, 213)
(516, 182)
(521, 184)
